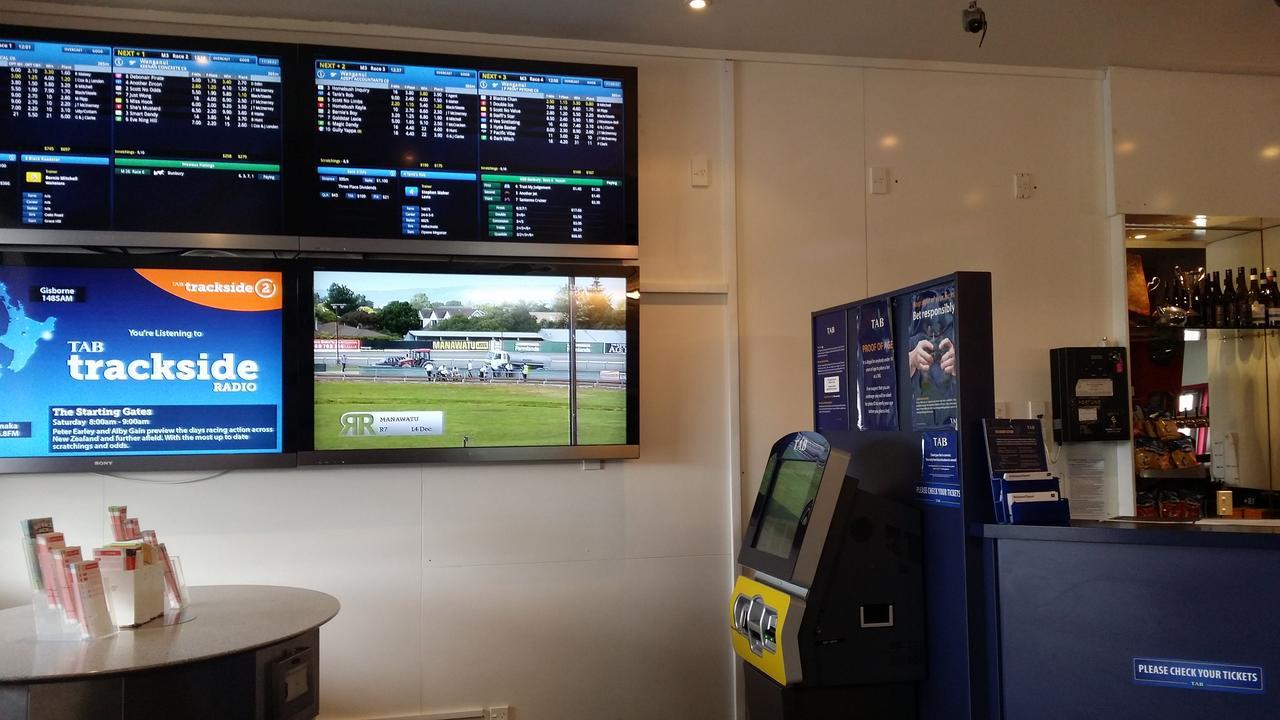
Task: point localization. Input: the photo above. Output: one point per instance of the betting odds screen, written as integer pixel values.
(466, 153)
(130, 137)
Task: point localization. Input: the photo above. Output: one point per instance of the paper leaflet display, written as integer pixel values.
(1023, 490)
(126, 583)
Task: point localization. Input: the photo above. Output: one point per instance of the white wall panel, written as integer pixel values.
(801, 236)
(952, 143)
(1192, 143)
(631, 640)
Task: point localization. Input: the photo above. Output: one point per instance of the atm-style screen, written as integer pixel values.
(115, 361)
(102, 133)
(795, 484)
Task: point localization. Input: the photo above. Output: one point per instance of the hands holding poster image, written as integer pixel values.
(932, 357)
(924, 355)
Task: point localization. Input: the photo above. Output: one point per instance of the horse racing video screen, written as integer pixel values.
(454, 360)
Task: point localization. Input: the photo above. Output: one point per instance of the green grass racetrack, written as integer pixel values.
(493, 415)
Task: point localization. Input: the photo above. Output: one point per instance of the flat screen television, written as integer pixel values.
(433, 151)
(471, 361)
(142, 363)
(115, 132)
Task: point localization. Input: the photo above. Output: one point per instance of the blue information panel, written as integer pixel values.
(877, 372)
(120, 361)
(831, 371)
(1198, 675)
(940, 474)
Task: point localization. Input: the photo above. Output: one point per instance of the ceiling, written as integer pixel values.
(1209, 35)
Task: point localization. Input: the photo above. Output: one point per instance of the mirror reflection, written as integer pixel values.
(1204, 337)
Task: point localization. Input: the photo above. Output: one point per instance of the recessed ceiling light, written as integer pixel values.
(1200, 221)
(699, 4)
(1139, 237)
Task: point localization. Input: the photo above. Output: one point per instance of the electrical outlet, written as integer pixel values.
(500, 712)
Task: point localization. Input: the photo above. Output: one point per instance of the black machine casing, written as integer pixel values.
(1090, 394)
(861, 636)
(869, 576)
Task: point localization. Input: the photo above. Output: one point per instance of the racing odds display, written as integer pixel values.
(459, 153)
(433, 360)
(123, 361)
(97, 136)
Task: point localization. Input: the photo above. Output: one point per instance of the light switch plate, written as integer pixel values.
(878, 180)
(1023, 187)
(699, 171)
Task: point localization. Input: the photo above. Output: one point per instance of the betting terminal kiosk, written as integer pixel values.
(828, 613)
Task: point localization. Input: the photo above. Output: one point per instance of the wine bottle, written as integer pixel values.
(1242, 300)
(1273, 300)
(1257, 310)
(1229, 302)
(1215, 317)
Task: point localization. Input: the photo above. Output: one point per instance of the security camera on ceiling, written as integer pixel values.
(975, 20)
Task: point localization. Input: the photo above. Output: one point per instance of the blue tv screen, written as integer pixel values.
(107, 366)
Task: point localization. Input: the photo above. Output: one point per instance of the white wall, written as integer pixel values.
(809, 235)
(1191, 143)
(801, 236)
(564, 593)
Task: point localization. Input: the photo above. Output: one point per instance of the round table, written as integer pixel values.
(235, 645)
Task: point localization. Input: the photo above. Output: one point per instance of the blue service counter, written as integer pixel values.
(1129, 621)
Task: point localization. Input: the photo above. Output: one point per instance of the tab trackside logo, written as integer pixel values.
(265, 288)
(228, 373)
(235, 290)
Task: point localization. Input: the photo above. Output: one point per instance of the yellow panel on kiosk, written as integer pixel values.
(758, 615)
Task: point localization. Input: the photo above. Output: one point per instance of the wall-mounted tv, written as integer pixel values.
(437, 150)
(149, 140)
(112, 132)
(128, 363)
(466, 361)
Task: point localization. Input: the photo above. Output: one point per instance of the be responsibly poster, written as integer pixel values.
(122, 361)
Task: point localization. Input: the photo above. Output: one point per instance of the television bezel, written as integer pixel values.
(308, 186)
(289, 328)
(308, 454)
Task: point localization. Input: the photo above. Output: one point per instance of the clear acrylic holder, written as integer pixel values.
(51, 622)
(180, 580)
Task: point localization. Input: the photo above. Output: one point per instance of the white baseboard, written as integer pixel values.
(453, 715)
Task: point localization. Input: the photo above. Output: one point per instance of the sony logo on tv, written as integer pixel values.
(103, 463)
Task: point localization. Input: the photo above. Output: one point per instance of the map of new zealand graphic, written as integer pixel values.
(21, 333)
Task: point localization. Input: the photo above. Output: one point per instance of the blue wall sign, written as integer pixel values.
(877, 371)
(1196, 675)
(831, 371)
(940, 476)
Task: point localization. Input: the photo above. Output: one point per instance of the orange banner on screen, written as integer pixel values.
(243, 290)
